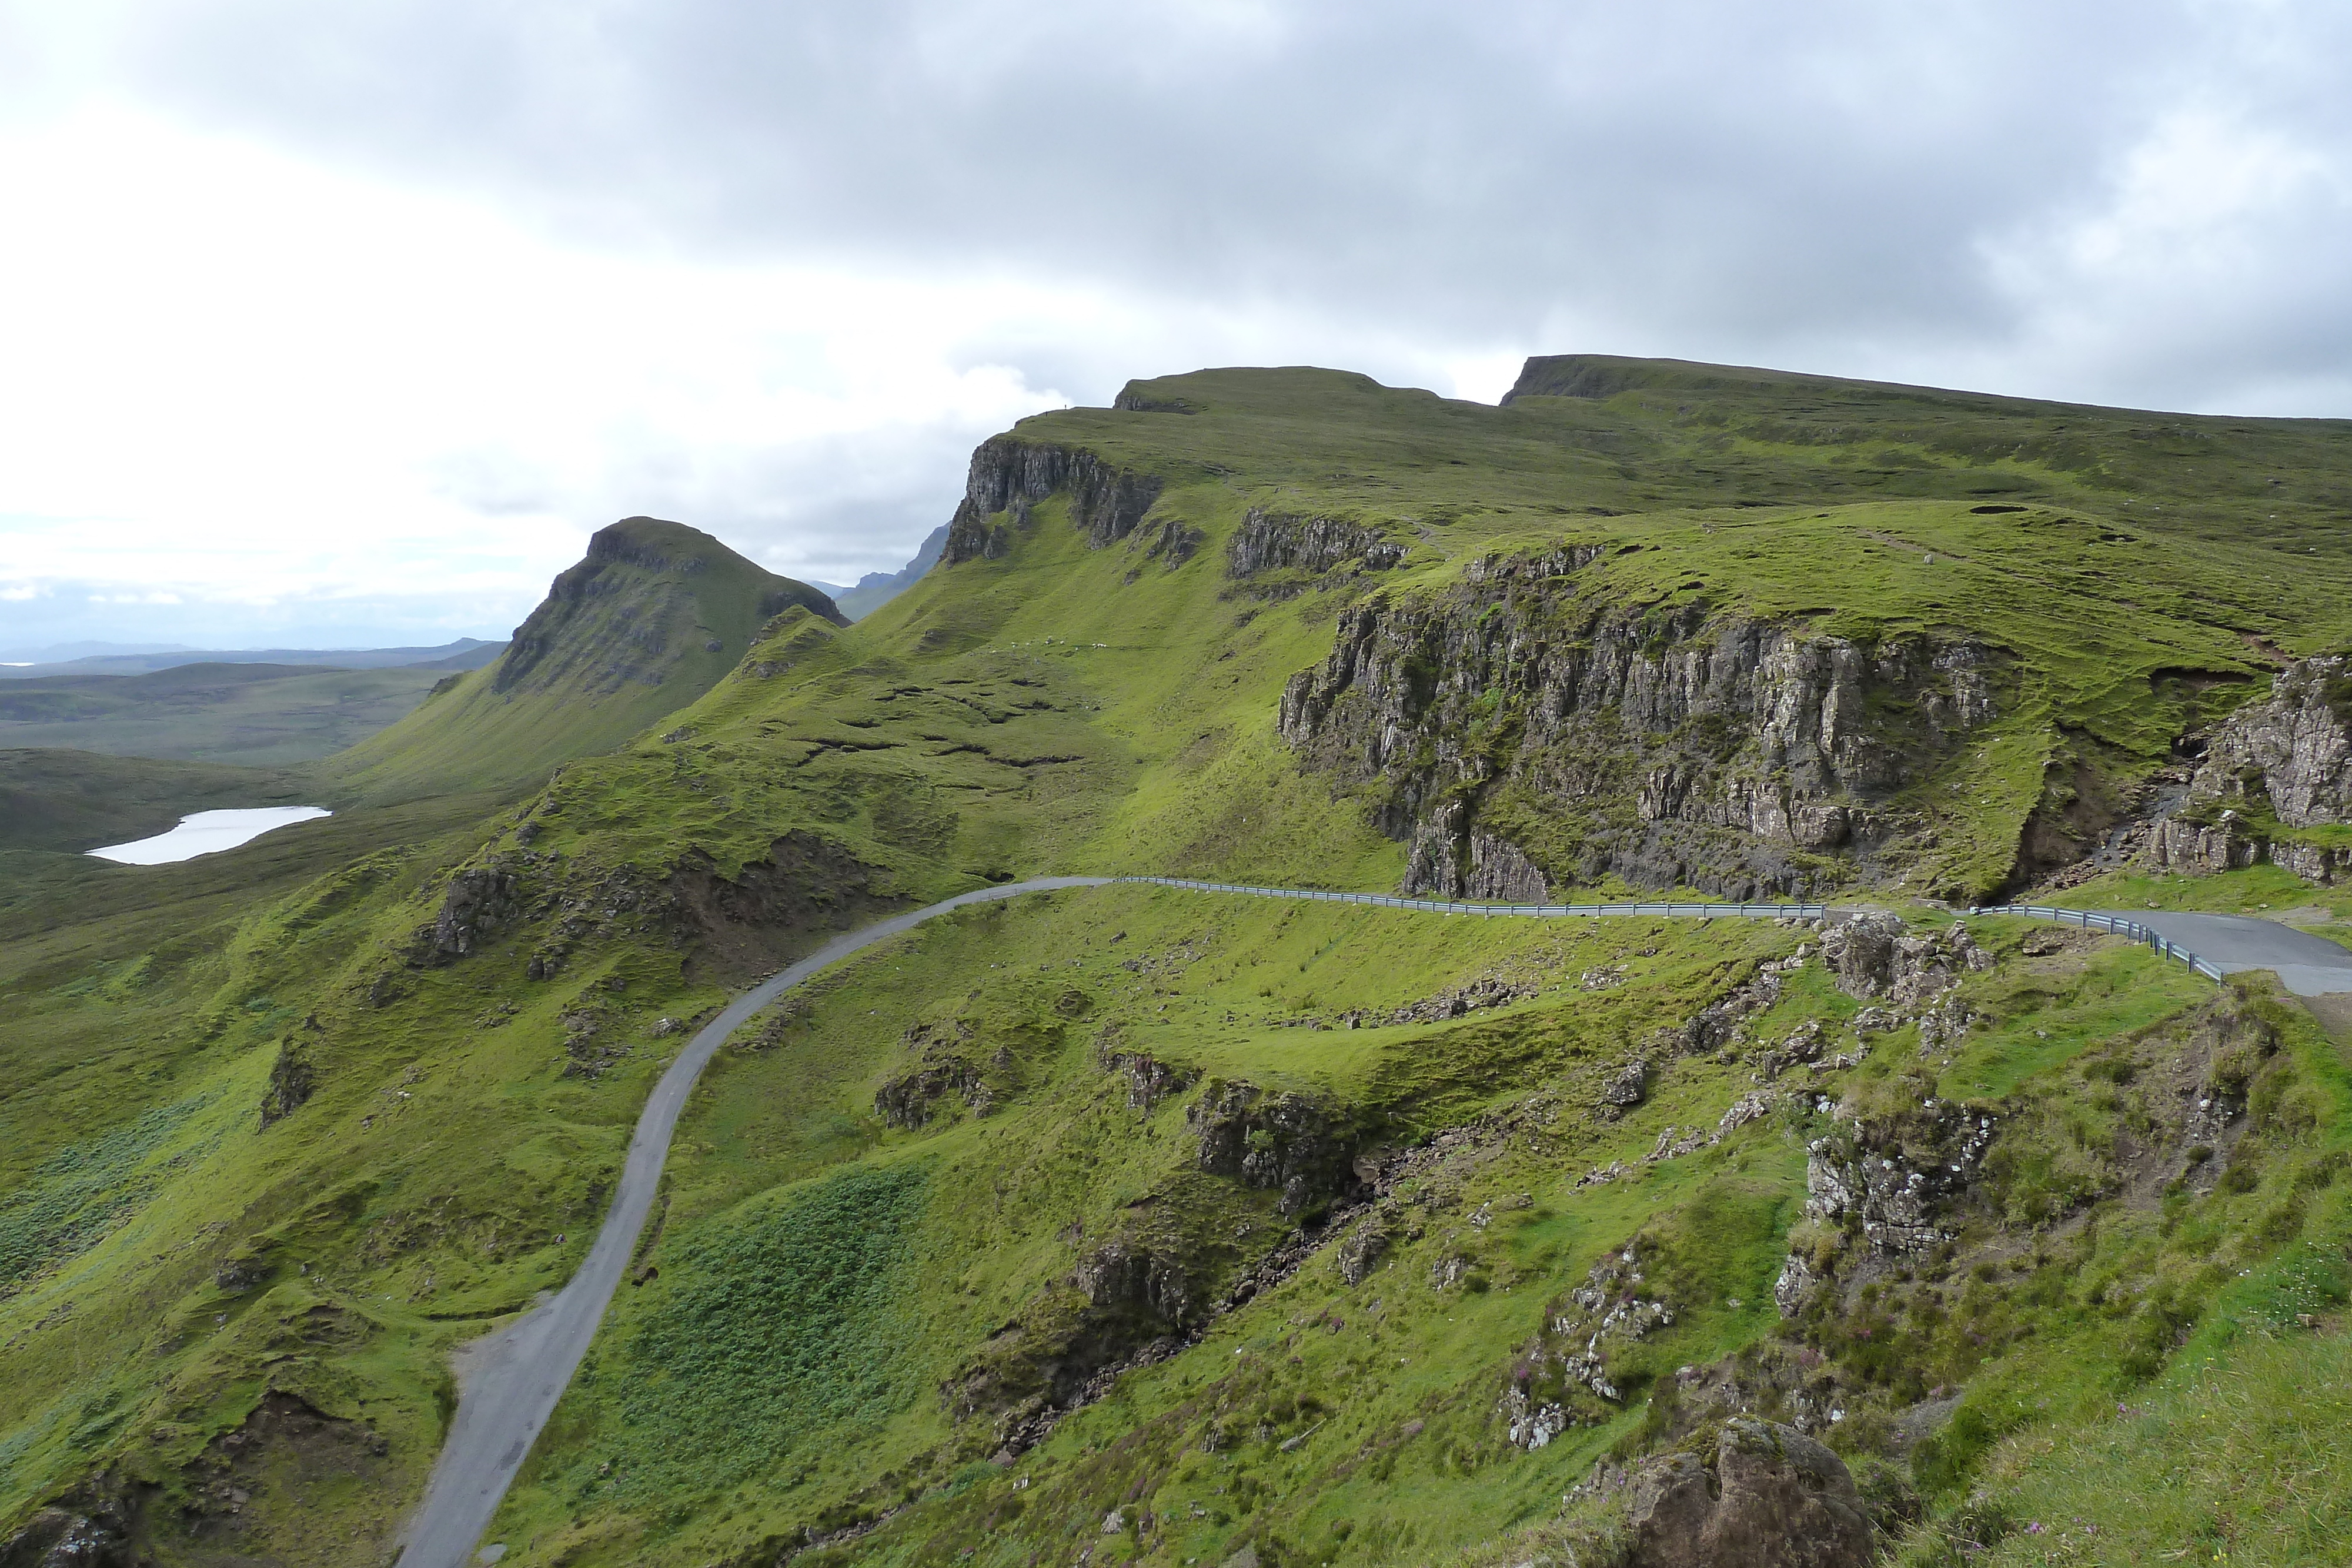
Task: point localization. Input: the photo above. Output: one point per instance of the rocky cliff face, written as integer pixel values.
(1526, 733)
(2292, 752)
(1268, 542)
(2295, 748)
(1008, 475)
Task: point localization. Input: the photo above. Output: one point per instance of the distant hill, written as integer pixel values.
(876, 588)
(58, 653)
(253, 715)
(648, 621)
(464, 653)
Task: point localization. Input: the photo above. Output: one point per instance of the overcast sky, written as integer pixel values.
(347, 323)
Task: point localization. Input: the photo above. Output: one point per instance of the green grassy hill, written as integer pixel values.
(1155, 1225)
(650, 617)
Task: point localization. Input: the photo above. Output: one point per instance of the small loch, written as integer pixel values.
(208, 832)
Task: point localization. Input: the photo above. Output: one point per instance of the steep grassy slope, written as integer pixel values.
(256, 715)
(653, 613)
(373, 1115)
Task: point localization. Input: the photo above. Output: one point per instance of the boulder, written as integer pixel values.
(1862, 950)
(1773, 1499)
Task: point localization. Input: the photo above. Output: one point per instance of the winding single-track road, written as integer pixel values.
(510, 1380)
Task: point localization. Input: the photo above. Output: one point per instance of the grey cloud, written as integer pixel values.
(1690, 177)
(1847, 185)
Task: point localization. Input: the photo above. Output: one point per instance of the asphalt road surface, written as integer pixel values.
(2307, 966)
(510, 1381)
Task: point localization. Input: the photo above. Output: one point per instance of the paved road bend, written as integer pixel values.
(2307, 966)
(510, 1380)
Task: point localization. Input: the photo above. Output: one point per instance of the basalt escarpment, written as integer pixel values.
(1009, 475)
(1524, 733)
(1274, 541)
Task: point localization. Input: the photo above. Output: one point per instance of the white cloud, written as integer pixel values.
(262, 382)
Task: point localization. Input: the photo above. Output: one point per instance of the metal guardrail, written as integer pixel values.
(2091, 921)
(1549, 911)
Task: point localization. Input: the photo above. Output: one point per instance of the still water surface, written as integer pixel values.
(204, 832)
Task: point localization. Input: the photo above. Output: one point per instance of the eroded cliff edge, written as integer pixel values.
(1522, 733)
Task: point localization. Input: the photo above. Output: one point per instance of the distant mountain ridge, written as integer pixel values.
(876, 588)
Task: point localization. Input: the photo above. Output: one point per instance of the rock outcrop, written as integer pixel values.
(1874, 955)
(1454, 1002)
(1287, 1142)
(1148, 1080)
(910, 1098)
(763, 916)
(292, 1080)
(2287, 758)
(1773, 1498)
(1563, 1378)
(2293, 748)
(1268, 542)
(1889, 1185)
(1009, 475)
(480, 902)
(82, 1534)
(1670, 746)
